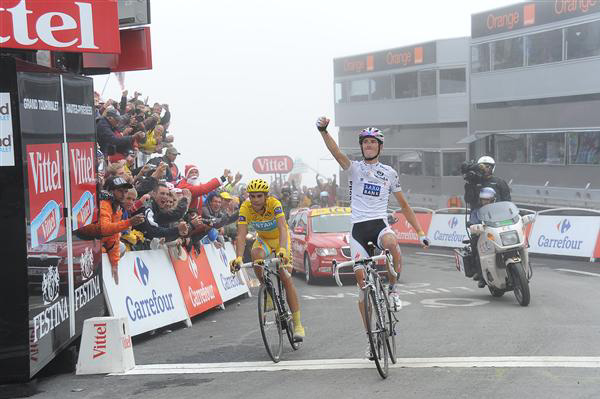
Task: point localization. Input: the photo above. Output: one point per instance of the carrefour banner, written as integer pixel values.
(405, 233)
(198, 287)
(230, 286)
(447, 230)
(564, 235)
(147, 295)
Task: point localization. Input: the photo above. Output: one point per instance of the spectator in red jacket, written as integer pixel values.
(192, 183)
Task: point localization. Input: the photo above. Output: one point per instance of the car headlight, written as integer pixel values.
(509, 238)
(326, 251)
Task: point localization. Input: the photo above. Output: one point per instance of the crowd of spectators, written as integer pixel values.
(146, 202)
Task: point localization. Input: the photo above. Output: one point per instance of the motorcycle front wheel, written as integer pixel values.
(520, 284)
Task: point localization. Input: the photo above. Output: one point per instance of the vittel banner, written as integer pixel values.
(230, 285)
(46, 192)
(7, 149)
(447, 230)
(198, 287)
(81, 26)
(564, 235)
(147, 295)
(403, 57)
(529, 14)
(83, 183)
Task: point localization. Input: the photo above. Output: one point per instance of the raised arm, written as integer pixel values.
(332, 146)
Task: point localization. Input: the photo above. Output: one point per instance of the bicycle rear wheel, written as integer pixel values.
(286, 319)
(377, 332)
(270, 323)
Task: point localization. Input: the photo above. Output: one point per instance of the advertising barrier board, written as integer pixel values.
(7, 150)
(147, 295)
(405, 232)
(447, 230)
(198, 287)
(564, 235)
(230, 286)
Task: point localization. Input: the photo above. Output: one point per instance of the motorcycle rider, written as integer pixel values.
(484, 172)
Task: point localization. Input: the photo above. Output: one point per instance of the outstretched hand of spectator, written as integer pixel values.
(187, 194)
(139, 136)
(137, 219)
(238, 177)
(226, 172)
(183, 228)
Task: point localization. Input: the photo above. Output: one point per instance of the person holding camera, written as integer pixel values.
(479, 176)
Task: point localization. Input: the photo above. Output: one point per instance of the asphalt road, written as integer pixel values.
(446, 321)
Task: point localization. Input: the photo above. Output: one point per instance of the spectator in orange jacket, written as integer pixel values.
(111, 225)
(198, 189)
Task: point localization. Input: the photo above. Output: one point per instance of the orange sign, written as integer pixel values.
(196, 281)
(405, 232)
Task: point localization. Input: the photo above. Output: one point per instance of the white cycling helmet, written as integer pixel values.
(371, 132)
(487, 160)
(487, 193)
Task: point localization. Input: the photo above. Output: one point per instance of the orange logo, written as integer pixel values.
(418, 55)
(529, 14)
(370, 63)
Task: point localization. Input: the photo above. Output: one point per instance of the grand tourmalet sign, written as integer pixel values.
(79, 26)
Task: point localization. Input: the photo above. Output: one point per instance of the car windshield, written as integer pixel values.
(499, 213)
(331, 223)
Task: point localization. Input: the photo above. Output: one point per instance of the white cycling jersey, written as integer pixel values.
(370, 186)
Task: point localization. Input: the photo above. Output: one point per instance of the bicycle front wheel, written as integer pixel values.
(270, 323)
(287, 323)
(376, 331)
(390, 323)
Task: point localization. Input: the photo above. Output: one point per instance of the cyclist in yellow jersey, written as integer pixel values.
(265, 214)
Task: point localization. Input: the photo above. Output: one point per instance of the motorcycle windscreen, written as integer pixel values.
(498, 214)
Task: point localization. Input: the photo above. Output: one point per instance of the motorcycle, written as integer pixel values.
(502, 248)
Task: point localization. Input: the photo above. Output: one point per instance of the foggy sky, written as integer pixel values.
(249, 78)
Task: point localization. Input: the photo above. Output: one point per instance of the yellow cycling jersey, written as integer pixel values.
(265, 224)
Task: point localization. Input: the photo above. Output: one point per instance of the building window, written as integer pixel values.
(480, 58)
(340, 92)
(359, 90)
(410, 163)
(431, 163)
(584, 148)
(427, 83)
(453, 81)
(452, 162)
(511, 148)
(406, 85)
(544, 47)
(547, 148)
(507, 53)
(381, 88)
(583, 40)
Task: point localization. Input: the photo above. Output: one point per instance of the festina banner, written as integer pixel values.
(198, 287)
(564, 235)
(447, 230)
(147, 295)
(230, 286)
(65, 25)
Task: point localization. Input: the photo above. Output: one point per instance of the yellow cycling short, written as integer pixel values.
(271, 245)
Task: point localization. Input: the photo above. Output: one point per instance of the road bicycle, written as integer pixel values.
(274, 317)
(380, 320)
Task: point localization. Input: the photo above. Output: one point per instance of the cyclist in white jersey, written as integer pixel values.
(370, 185)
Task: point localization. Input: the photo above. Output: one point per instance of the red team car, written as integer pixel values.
(318, 237)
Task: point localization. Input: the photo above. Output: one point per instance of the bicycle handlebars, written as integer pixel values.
(385, 255)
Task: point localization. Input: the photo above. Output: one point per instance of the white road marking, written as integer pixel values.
(433, 254)
(578, 272)
(343, 364)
